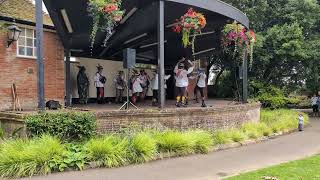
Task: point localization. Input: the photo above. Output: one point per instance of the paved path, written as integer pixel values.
(212, 166)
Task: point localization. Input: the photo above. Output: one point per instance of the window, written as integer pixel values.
(27, 43)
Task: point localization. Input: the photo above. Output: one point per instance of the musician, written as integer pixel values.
(144, 78)
(120, 84)
(99, 82)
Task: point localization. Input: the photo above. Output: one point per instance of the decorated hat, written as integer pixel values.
(181, 65)
(99, 67)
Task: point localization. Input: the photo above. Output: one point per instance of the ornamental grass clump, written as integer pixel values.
(202, 141)
(221, 137)
(174, 143)
(281, 120)
(21, 158)
(252, 130)
(237, 135)
(143, 148)
(108, 151)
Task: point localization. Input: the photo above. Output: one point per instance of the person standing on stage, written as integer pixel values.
(182, 82)
(99, 81)
(155, 86)
(144, 78)
(201, 84)
(136, 87)
(120, 84)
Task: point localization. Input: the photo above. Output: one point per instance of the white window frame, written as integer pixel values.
(34, 56)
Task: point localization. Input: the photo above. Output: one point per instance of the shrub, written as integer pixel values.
(20, 158)
(221, 137)
(109, 151)
(202, 141)
(74, 126)
(73, 157)
(1, 133)
(174, 142)
(236, 135)
(143, 148)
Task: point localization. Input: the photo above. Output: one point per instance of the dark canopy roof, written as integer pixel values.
(142, 23)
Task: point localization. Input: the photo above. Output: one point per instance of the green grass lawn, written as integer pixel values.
(306, 169)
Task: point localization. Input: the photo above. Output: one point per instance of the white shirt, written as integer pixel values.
(300, 119)
(155, 81)
(314, 100)
(182, 76)
(97, 81)
(136, 86)
(144, 80)
(202, 80)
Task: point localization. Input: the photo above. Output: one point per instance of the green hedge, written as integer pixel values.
(45, 154)
(71, 126)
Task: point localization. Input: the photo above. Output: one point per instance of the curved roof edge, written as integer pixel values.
(218, 7)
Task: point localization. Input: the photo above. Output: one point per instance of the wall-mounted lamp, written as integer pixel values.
(13, 34)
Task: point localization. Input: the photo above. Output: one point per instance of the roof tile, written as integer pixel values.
(22, 10)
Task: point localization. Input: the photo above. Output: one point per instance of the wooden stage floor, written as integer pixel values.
(170, 104)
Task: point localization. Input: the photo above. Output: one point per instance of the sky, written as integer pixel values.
(43, 6)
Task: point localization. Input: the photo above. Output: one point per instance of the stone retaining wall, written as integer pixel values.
(185, 118)
(12, 123)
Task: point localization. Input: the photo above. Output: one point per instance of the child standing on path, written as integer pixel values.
(301, 122)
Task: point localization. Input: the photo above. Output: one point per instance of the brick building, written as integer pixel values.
(18, 62)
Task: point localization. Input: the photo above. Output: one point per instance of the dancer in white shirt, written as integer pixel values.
(201, 84)
(136, 87)
(155, 86)
(99, 81)
(182, 82)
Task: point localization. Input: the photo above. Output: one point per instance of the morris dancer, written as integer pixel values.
(182, 82)
(99, 81)
(201, 84)
(155, 86)
(120, 84)
(136, 87)
(144, 78)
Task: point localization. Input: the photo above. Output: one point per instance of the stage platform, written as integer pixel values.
(220, 114)
(170, 104)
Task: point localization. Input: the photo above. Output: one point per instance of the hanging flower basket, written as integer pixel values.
(189, 25)
(235, 36)
(105, 15)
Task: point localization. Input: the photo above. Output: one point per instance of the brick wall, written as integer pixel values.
(181, 119)
(23, 72)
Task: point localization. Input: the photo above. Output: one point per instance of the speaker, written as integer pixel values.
(129, 58)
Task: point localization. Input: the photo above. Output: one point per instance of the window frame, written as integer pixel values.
(34, 56)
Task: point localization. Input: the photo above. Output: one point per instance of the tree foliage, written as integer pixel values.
(287, 52)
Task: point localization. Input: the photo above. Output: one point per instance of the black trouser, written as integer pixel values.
(119, 95)
(100, 95)
(155, 95)
(315, 108)
(196, 89)
(181, 91)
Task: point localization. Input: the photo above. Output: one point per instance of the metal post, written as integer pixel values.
(245, 78)
(161, 94)
(40, 64)
(68, 78)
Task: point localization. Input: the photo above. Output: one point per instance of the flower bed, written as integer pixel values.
(46, 154)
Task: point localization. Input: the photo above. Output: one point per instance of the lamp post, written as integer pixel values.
(13, 34)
